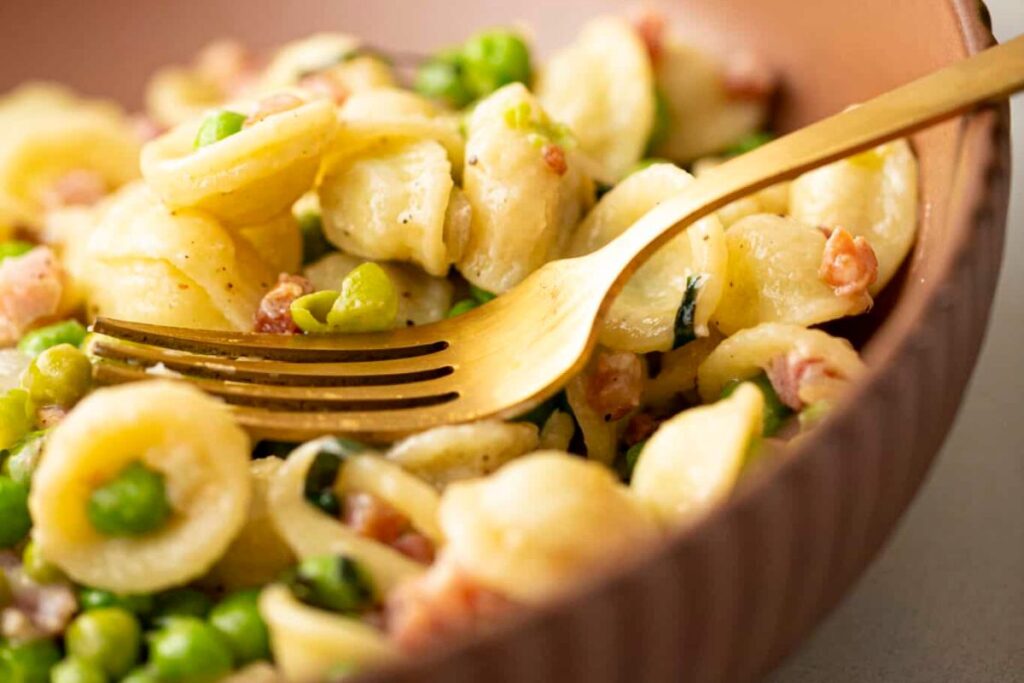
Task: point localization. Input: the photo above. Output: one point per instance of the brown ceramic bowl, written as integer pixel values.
(724, 601)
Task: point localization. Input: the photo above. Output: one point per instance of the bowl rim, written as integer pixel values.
(982, 181)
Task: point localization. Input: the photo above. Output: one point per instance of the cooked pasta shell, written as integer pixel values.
(748, 352)
(599, 436)
(677, 371)
(694, 459)
(422, 298)
(172, 428)
(175, 95)
(47, 131)
(310, 532)
(704, 118)
(602, 86)
(451, 453)
(773, 277)
(540, 523)
(389, 201)
(278, 242)
(333, 52)
(258, 554)
(872, 195)
(149, 264)
(523, 210)
(642, 319)
(557, 433)
(260, 672)
(247, 178)
(774, 199)
(307, 642)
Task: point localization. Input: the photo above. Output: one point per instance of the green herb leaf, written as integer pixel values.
(684, 331)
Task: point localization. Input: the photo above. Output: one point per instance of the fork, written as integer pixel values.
(509, 355)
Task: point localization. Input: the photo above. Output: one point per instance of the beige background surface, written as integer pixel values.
(945, 600)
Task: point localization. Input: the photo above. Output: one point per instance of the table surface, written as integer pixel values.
(944, 602)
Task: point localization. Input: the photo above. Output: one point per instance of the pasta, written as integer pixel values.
(602, 87)
(643, 316)
(196, 446)
(314, 191)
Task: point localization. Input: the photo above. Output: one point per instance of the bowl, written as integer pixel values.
(727, 599)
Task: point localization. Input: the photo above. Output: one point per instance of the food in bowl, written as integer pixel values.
(146, 538)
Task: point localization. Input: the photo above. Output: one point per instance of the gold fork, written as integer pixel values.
(507, 356)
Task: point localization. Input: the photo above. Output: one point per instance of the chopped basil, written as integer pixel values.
(323, 472)
(684, 331)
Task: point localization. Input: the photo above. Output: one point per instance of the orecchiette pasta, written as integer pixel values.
(773, 277)
(600, 436)
(677, 371)
(578, 518)
(752, 350)
(177, 431)
(175, 95)
(523, 209)
(247, 178)
(335, 53)
(643, 316)
(308, 643)
(149, 264)
(694, 459)
(422, 298)
(447, 454)
(557, 433)
(277, 242)
(310, 532)
(872, 195)
(773, 200)
(602, 86)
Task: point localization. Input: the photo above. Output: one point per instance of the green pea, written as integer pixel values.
(109, 638)
(813, 414)
(238, 619)
(441, 78)
(310, 311)
(460, 307)
(182, 602)
(662, 124)
(332, 582)
(36, 567)
(14, 248)
(97, 598)
(749, 143)
(629, 460)
(23, 457)
(481, 295)
(495, 58)
(141, 675)
(37, 341)
(132, 504)
(17, 415)
(775, 411)
(59, 375)
(15, 521)
(217, 126)
(28, 662)
(368, 302)
(189, 650)
(314, 243)
(74, 670)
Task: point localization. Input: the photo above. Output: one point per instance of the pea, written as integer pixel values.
(28, 662)
(314, 244)
(132, 504)
(15, 521)
(460, 307)
(141, 675)
(97, 598)
(23, 457)
(441, 78)
(749, 143)
(493, 59)
(109, 638)
(59, 375)
(74, 670)
(310, 311)
(629, 460)
(182, 602)
(662, 124)
(238, 619)
(368, 302)
(36, 567)
(481, 295)
(775, 411)
(189, 650)
(217, 126)
(67, 332)
(16, 416)
(332, 582)
(13, 249)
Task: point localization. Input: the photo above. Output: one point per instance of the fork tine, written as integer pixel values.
(300, 398)
(382, 372)
(298, 348)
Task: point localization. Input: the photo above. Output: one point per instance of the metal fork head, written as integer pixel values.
(498, 360)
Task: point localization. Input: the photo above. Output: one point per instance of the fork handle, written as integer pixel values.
(987, 77)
